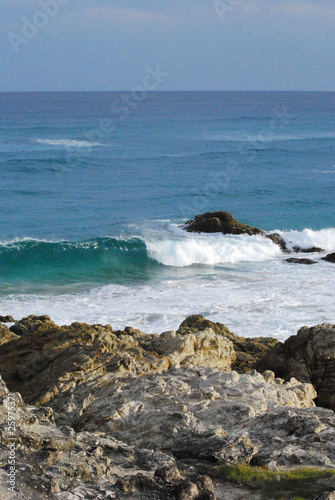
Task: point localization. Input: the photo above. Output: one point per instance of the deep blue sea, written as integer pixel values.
(95, 185)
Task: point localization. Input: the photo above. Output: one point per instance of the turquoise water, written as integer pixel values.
(94, 187)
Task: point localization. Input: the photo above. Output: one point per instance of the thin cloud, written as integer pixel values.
(308, 9)
(125, 15)
(294, 8)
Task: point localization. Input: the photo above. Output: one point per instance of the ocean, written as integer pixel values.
(95, 187)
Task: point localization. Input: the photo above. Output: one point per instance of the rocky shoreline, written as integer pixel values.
(126, 415)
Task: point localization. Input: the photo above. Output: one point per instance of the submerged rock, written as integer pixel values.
(294, 260)
(219, 222)
(308, 356)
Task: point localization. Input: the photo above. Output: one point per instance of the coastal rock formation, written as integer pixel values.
(5, 334)
(329, 258)
(308, 356)
(219, 222)
(6, 319)
(204, 348)
(30, 324)
(249, 351)
(119, 414)
(47, 359)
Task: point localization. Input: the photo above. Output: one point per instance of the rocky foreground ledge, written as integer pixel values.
(198, 413)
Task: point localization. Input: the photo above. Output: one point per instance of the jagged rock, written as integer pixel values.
(203, 348)
(6, 319)
(278, 240)
(113, 407)
(294, 260)
(5, 334)
(330, 257)
(219, 222)
(47, 359)
(31, 324)
(192, 412)
(56, 461)
(248, 351)
(167, 484)
(308, 356)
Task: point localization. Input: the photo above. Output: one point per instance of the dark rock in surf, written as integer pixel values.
(219, 222)
(278, 240)
(293, 260)
(330, 257)
(307, 250)
(224, 222)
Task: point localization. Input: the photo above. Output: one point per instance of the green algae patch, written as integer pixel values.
(296, 484)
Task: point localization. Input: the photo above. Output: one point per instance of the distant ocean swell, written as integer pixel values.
(108, 260)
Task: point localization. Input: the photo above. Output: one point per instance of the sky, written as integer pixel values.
(52, 45)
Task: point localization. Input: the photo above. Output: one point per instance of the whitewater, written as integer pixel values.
(154, 282)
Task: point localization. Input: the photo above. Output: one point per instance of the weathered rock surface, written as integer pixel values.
(50, 459)
(249, 351)
(5, 334)
(30, 324)
(294, 260)
(118, 414)
(330, 257)
(219, 222)
(47, 359)
(308, 356)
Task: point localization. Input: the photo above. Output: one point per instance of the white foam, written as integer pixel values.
(266, 138)
(325, 238)
(271, 298)
(211, 250)
(68, 143)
